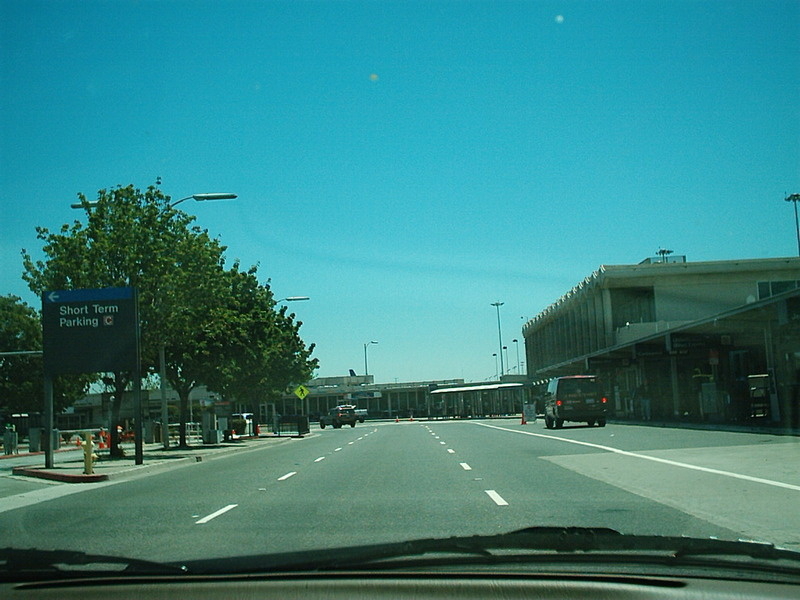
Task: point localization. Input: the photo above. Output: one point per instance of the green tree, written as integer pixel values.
(134, 238)
(264, 353)
(217, 326)
(22, 376)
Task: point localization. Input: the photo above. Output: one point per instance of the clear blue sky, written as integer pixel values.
(406, 164)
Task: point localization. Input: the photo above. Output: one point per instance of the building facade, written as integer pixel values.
(676, 339)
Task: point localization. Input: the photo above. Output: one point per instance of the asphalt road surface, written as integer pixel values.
(391, 481)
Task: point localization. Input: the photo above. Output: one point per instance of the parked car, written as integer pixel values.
(361, 414)
(338, 416)
(574, 398)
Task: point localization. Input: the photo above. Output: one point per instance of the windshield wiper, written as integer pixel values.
(533, 543)
(23, 564)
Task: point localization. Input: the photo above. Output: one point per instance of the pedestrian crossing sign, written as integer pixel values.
(301, 392)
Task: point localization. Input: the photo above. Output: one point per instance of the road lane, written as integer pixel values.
(373, 483)
(715, 483)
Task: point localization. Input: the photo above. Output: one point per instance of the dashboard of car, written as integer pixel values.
(377, 586)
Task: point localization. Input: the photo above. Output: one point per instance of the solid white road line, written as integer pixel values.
(289, 474)
(498, 499)
(214, 515)
(465, 466)
(665, 461)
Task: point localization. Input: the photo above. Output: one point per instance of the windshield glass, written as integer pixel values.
(577, 387)
(296, 275)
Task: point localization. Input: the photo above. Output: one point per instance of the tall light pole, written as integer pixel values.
(366, 371)
(497, 305)
(162, 351)
(515, 341)
(794, 198)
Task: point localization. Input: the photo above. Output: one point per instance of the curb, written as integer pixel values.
(154, 465)
(62, 477)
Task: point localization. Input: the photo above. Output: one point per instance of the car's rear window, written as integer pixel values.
(570, 387)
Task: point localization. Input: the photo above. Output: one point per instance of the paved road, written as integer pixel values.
(390, 482)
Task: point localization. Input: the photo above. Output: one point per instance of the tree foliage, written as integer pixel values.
(217, 326)
(22, 376)
(264, 353)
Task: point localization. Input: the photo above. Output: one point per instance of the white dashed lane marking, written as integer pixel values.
(498, 499)
(215, 514)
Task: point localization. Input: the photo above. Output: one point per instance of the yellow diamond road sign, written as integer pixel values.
(301, 392)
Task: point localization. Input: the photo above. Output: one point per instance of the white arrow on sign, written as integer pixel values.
(52, 296)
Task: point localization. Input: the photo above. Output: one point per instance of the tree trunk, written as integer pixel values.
(120, 383)
(184, 396)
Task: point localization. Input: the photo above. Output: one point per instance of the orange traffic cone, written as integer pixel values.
(523, 422)
(397, 419)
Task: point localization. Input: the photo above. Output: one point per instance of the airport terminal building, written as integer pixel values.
(671, 339)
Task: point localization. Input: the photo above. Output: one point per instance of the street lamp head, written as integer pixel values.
(293, 299)
(793, 198)
(204, 197)
(214, 196)
(497, 304)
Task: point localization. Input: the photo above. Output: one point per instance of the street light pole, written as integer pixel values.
(497, 305)
(794, 198)
(515, 341)
(304, 403)
(162, 351)
(366, 371)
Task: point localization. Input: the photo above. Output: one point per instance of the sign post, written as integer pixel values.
(91, 331)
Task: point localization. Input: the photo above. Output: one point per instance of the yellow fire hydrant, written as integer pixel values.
(88, 455)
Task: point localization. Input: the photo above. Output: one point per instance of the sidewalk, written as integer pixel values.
(772, 429)
(155, 458)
